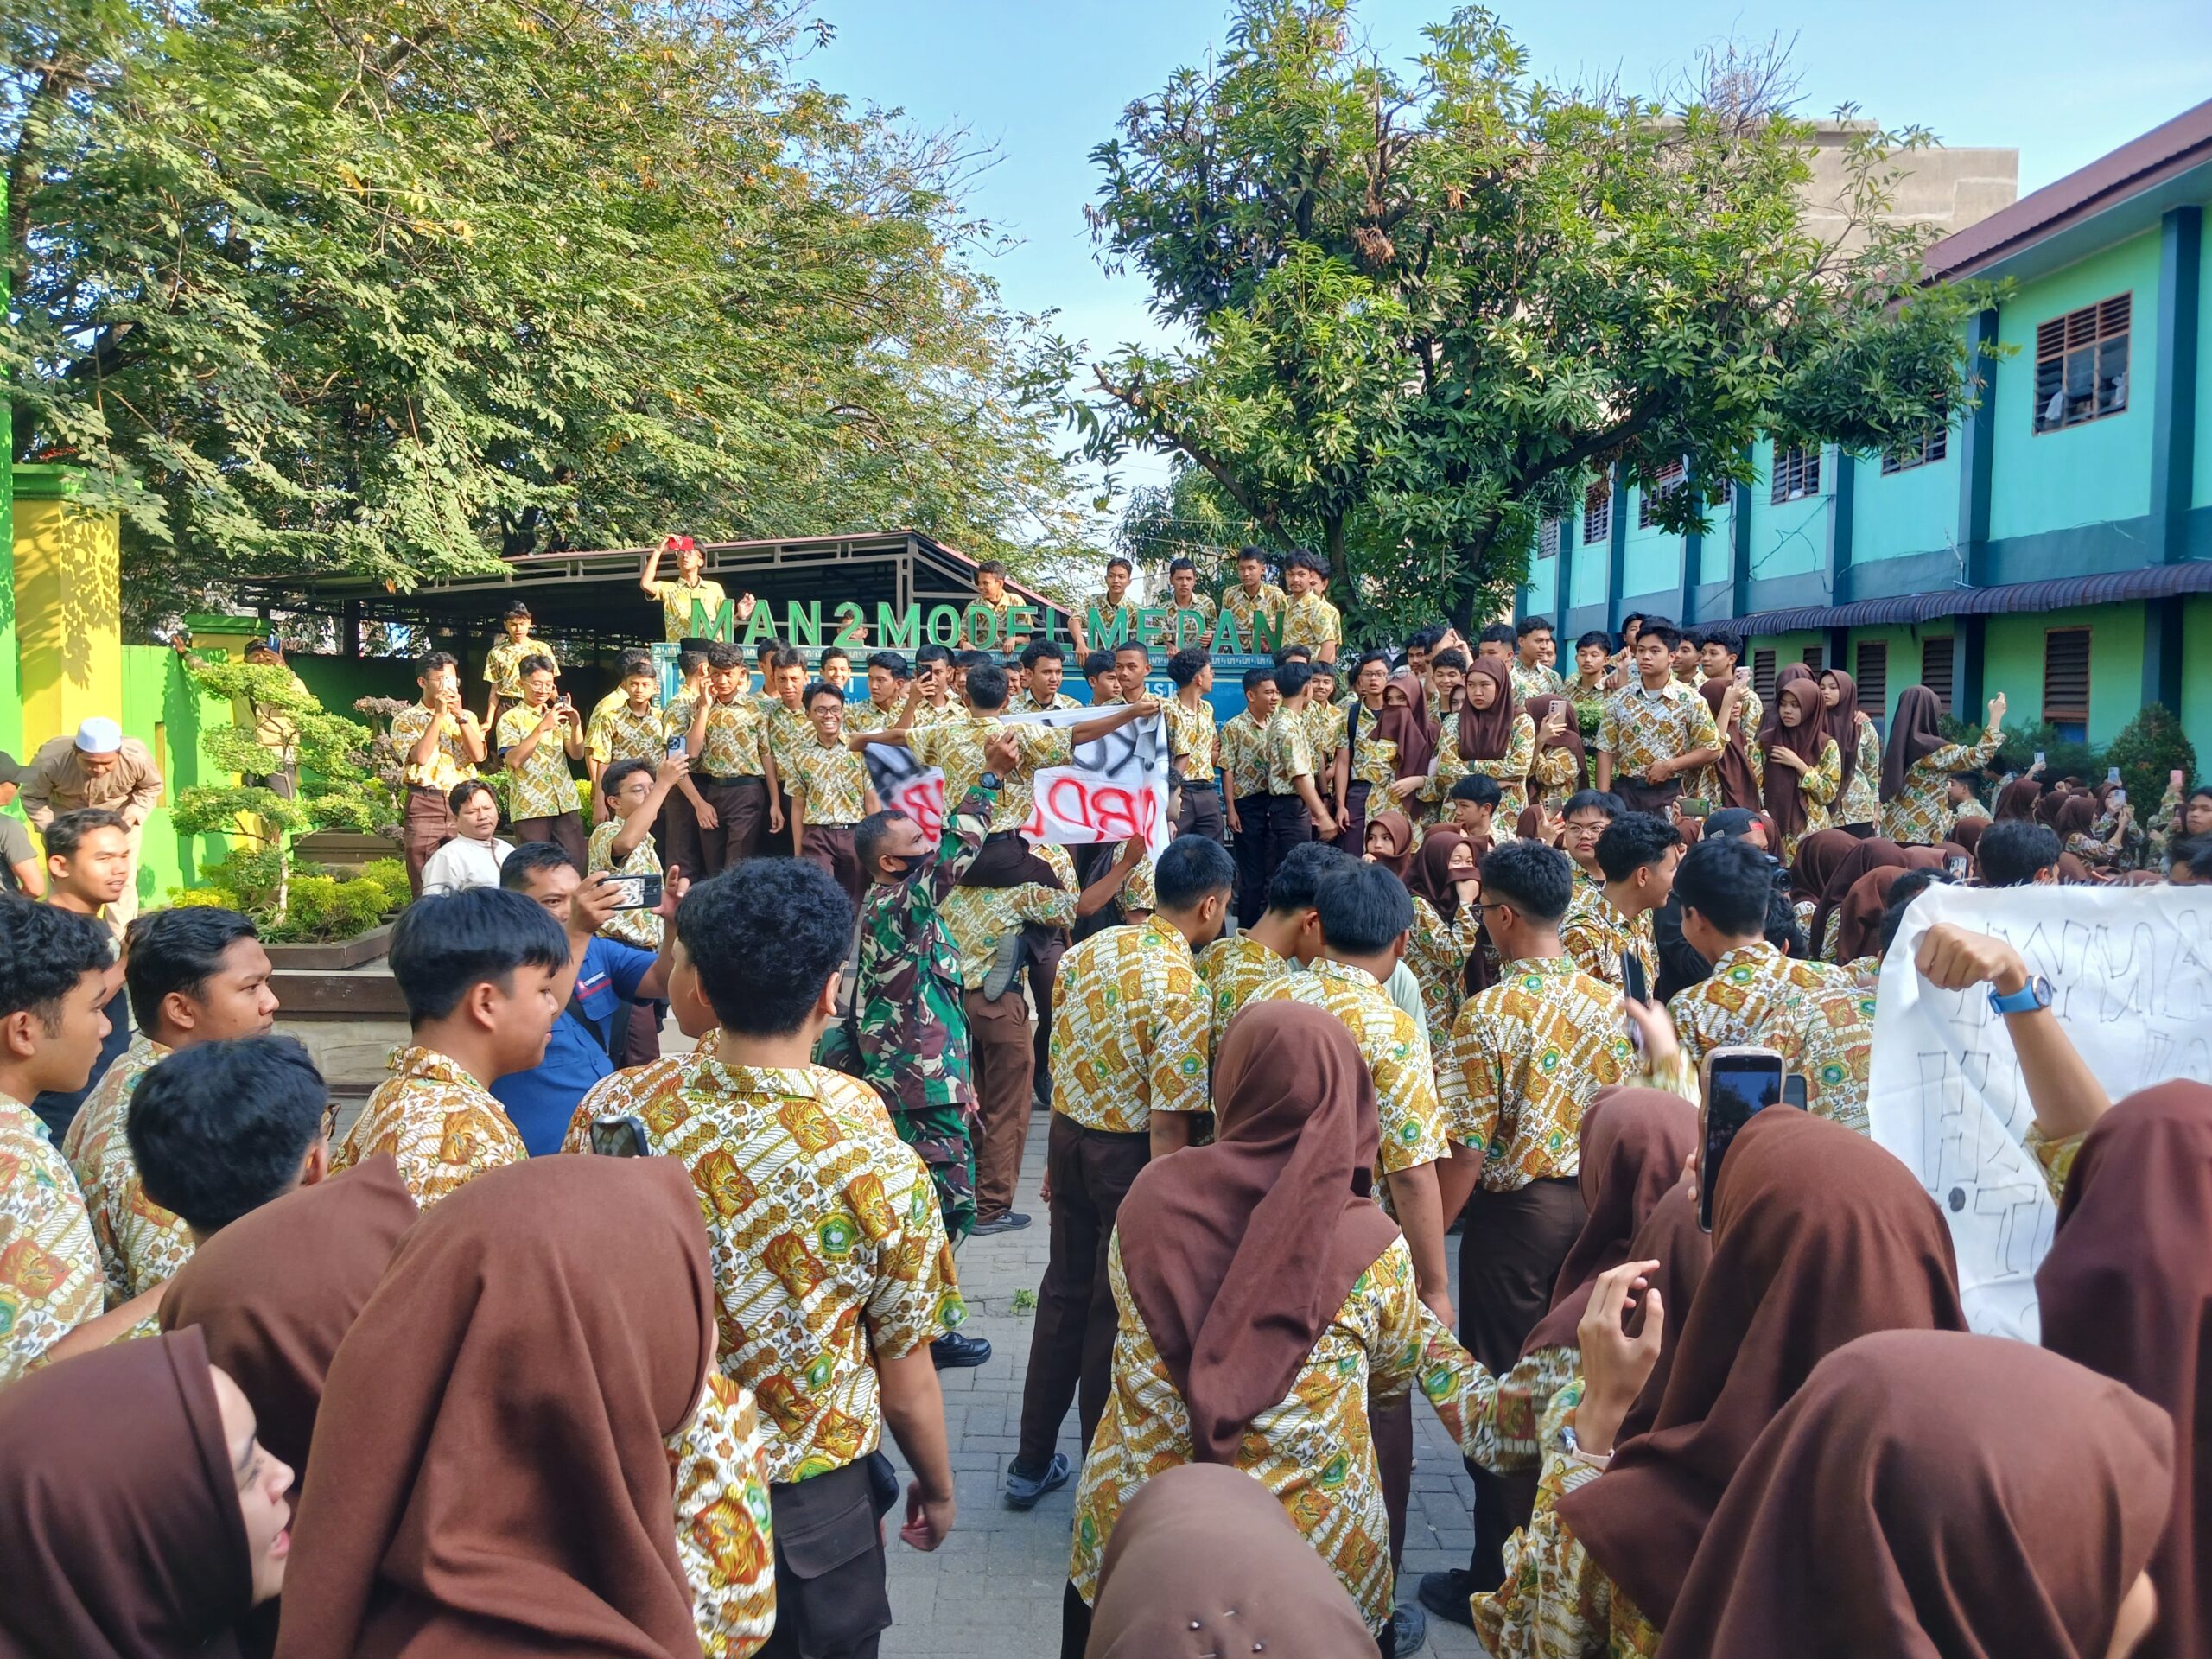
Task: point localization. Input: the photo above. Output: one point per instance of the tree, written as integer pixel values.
(1427, 306)
(395, 286)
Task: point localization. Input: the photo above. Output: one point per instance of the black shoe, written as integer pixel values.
(1409, 1631)
(1008, 1222)
(1447, 1595)
(1022, 1491)
(952, 1352)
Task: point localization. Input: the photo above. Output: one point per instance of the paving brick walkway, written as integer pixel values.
(993, 1590)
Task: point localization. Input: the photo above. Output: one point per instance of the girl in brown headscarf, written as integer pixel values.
(1858, 802)
(1264, 1300)
(1914, 1500)
(539, 1338)
(1735, 779)
(2126, 1290)
(1820, 855)
(1858, 919)
(2017, 801)
(2076, 825)
(1801, 766)
(1819, 1237)
(1405, 724)
(1390, 841)
(1918, 761)
(1448, 930)
(139, 1516)
(1561, 765)
(1490, 736)
(1878, 854)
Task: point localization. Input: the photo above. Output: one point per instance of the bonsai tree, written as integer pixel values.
(338, 787)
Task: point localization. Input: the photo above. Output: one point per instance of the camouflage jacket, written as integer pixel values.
(908, 1025)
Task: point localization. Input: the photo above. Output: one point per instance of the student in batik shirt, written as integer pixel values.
(1132, 1040)
(503, 664)
(1254, 596)
(1244, 780)
(1046, 666)
(440, 744)
(449, 1447)
(831, 793)
(485, 973)
(1103, 608)
(1532, 674)
(1183, 600)
(1813, 1012)
(538, 738)
(1638, 854)
(627, 725)
(1267, 1311)
(834, 1274)
(1858, 805)
(1801, 765)
(1309, 619)
(1488, 735)
(691, 589)
(1918, 761)
(1286, 934)
(195, 974)
(888, 677)
(54, 982)
(634, 792)
(1447, 924)
(1657, 731)
(732, 766)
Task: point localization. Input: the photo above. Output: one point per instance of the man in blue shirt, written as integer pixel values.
(544, 1099)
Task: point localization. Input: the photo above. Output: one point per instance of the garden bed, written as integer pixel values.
(332, 956)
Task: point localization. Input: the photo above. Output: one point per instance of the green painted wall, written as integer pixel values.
(1902, 667)
(2201, 492)
(1792, 538)
(2098, 470)
(1590, 559)
(337, 681)
(1788, 648)
(1915, 511)
(2013, 652)
(1543, 583)
(1654, 556)
(2196, 677)
(165, 711)
(1717, 552)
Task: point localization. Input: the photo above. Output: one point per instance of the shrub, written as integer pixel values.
(2149, 748)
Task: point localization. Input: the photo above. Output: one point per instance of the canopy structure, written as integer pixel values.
(595, 595)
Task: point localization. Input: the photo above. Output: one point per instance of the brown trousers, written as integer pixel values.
(1510, 1254)
(1071, 1354)
(1201, 813)
(829, 848)
(564, 830)
(741, 806)
(1251, 851)
(1001, 1063)
(831, 1602)
(427, 827)
(677, 833)
(1640, 797)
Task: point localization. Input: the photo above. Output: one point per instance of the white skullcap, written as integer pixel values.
(99, 735)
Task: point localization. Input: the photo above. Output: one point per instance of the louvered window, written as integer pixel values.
(1548, 539)
(1668, 481)
(1763, 675)
(1933, 447)
(2066, 680)
(2082, 365)
(1813, 660)
(1935, 668)
(1796, 474)
(1870, 668)
(1598, 512)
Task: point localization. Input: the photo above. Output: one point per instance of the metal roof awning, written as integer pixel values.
(2148, 582)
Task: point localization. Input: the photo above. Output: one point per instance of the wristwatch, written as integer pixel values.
(1573, 1447)
(990, 780)
(2034, 994)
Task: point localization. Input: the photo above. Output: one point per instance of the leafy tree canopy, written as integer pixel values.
(1427, 305)
(395, 285)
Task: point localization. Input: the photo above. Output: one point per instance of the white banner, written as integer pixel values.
(1117, 786)
(2130, 976)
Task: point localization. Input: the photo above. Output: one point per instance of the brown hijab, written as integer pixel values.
(1416, 694)
(1204, 1562)
(1415, 748)
(2017, 801)
(1916, 733)
(1739, 784)
(1539, 708)
(120, 1518)
(1429, 877)
(2047, 808)
(2077, 818)
(1784, 796)
(1239, 1254)
(1876, 852)
(1400, 828)
(1966, 834)
(1858, 919)
(1820, 855)
(1931, 1493)
(496, 1422)
(1842, 720)
(274, 1291)
(1819, 1237)
(2126, 1289)
(1633, 1144)
(1486, 734)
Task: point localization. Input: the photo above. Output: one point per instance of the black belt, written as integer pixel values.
(739, 777)
(1200, 783)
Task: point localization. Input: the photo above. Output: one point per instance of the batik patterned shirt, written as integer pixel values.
(50, 1279)
(1533, 682)
(1098, 605)
(617, 732)
(1234, 968)
(736, 741)
(1816, 788)
(1326, 721)
(544, 787)
(828, 1250)
(1641, 726)
(1860, 800)
(1921, 811)
(1289, 746)
(1271, 602)
(1373, 761)
(1244, 756)
(869, 716)
(443, 1126)
(1820, 1019)
(1510, 770)
(448, 763)
(979, 919)
(1026, 703)
(1132, 1029)
(639, 927)
(503, 664)
(1437, 951)
(955, 746)
(720, 1466)
(830, 778)
(1966, 813)
(141, 1245)
(1527, 1054)
(676, 599)
(1313, 1450)
(1312, 621)
(1597, 936)
(994, 632)
(1397, 1051)
(1191, 737)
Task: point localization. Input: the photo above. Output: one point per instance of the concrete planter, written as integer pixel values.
(343, 852)
(295, 961)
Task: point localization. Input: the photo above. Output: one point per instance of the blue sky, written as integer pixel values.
(1041, 83)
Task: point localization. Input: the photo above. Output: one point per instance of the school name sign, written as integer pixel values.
(985, 628)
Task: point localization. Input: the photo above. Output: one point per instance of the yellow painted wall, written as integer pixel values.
(67, 606)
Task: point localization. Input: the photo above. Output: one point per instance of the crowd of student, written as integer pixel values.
(453, 1382)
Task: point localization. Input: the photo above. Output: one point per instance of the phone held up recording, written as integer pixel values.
(637, 891)
(618, 1135)
(1736, 1081)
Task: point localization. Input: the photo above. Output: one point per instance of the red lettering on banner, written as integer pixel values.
(1116, 817)
(924, 803)
(1059, 795)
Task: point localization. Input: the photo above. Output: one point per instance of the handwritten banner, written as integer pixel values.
(2130, 976)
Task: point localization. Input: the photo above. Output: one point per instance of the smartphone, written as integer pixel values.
(2174, 779)
(1632, 981)
(2118, 797)
(2039, 757)
(1697, 806)
(1956, 863)
(1793, 1090)
(635, 892)
(619, 1135)
(1738, 1083)
(2111, 774)
(675, 744)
